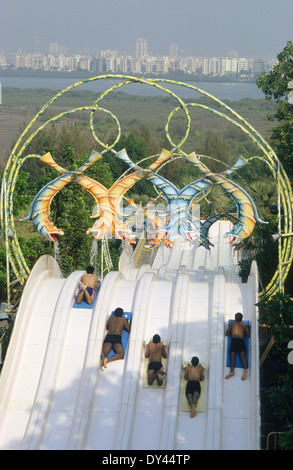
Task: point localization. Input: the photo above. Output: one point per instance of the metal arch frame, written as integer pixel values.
(14, 256)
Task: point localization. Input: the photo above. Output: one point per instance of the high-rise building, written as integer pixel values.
(54, 49)
(141, 48)
(233, 54)
(243, 64)
(258, 65)
(37, 43)
(173, 50)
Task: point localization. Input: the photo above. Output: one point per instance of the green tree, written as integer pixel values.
(274, 84)
(277, 314)
(215, 146)
(3, 277)
(21, 195)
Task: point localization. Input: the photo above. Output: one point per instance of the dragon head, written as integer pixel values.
(122, 232)
(205, 242)
(238, 234)
(49, 230)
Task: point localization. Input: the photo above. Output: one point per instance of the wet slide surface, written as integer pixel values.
(54, 395)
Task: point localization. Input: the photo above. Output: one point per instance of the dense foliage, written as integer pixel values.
(276, 372)
(275, 87)
(277, 312)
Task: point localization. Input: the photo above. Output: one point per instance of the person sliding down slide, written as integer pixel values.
(115, 326)
(89, 284)
(155, 351)
(194, 374)
(237, 329)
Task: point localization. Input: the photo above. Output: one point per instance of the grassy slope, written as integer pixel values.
(21, 105)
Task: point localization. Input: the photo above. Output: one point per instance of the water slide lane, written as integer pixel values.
(27, 349)
(52, 406)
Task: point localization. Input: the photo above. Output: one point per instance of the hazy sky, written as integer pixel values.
(258, 28)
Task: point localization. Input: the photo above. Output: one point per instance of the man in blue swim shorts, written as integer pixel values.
(237, 329)
(89, 284)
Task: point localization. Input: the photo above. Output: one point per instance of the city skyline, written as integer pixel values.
(208, 28)
(59, 59)
(139, 49)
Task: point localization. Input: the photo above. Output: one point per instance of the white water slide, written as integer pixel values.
(53, 394)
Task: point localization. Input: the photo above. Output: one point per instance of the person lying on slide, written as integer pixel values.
(115, 326)
(89, 284)
(194, 374)
(237, 329)
(155, 351)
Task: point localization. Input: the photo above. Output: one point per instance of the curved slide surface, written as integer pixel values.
(53, 394)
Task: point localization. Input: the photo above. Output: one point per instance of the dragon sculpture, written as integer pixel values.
(179, 202)
(247, 214)
(107, 200)
(40, 207)
(112, 222)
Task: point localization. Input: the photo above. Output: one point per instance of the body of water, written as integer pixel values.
(223, 91)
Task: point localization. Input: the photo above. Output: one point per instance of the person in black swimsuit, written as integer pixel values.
(155, 351)
(115, 326)
(194, 374)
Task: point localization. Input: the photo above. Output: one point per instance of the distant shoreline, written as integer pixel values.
(180, 77)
